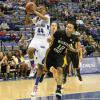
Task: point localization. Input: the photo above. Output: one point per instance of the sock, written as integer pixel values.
(32, 62)
(58, 87)
(37, 80)
(78, 71)
(65, 72)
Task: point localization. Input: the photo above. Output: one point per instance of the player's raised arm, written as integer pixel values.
(30, 7)
(41, 11)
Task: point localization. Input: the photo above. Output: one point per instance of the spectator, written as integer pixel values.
(12, 62)
(2, 33)
(79, 21)
(23, 44)
(66, 14)
(1, 13)
(4, 68)
(93, 30)
(94, 20)
(4, 26)
(98, 30)
(22, 67)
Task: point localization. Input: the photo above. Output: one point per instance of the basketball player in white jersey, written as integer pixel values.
(39, 44)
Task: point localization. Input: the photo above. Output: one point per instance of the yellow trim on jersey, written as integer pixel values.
(65, 62)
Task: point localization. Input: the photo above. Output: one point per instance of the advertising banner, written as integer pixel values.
(90, 65)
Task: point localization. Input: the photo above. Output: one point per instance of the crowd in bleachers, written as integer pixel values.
(15, 35)
(13, 65)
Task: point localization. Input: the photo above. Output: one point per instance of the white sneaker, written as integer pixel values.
(34, 93)
(33, 72)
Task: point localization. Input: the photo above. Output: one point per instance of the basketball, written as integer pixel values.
(30, 7)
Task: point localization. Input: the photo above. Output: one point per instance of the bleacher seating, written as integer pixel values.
(15, 15)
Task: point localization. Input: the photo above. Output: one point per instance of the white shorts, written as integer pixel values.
(41, 46)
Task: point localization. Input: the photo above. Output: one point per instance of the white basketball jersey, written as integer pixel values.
(42, 27)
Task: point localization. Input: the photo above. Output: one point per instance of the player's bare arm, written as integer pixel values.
(41, 11)
(41, 15)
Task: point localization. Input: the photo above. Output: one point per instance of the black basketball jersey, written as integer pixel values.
(61, 41)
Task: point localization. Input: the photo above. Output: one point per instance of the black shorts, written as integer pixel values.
(54, 60)
(74, 58)
(3, 68)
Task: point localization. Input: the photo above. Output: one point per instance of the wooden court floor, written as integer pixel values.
(19, 89)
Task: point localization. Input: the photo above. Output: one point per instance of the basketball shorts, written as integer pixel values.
(54, 60)
(41, 46)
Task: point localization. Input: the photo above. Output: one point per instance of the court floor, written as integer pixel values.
(89, 89)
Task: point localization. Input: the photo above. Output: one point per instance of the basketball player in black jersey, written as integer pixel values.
(61, 40)
(74, 57)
